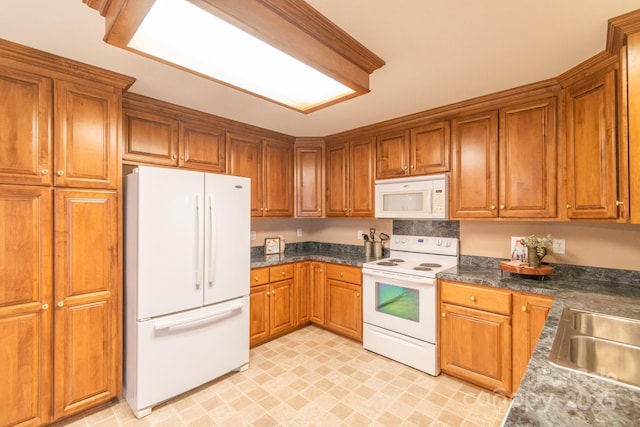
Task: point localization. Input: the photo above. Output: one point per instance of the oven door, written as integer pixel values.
(400, 303)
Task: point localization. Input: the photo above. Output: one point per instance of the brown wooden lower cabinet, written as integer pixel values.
(487, 335)
(293, 295)
(271, 303)
(344, 300)
(529, 314)
(60, 305)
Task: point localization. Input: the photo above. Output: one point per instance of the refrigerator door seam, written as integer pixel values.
(212, 242)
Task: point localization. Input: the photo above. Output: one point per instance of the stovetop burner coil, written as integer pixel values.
(430, 264)
(388, 263)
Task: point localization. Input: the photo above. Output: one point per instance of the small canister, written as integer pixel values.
(368, 249)
(377, 249)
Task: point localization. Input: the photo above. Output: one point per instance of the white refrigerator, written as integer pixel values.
(187, 262)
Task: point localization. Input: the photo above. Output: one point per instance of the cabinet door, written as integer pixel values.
(309, 181)
(25, 127)
(344, 308)
(259, 314)
(202, 147)
(86, 126)
(529, 316)
(362, 178)
(88, 338)
(281, 311)
(302, 292)
(392, 154)
(474, 177)
(591, 151)
(150, 138)
(245, 159)
(476, 346)
(25, 305)
(337, 179)
(278, 179)
(528, 160)
(632, 77)
(430, 148)
(317, 294)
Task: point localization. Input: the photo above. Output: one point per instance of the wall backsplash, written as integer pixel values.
(591, 244)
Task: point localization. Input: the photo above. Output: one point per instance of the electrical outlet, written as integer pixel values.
(299, 232)
(359, 234)
(253, 235)
(558, 246)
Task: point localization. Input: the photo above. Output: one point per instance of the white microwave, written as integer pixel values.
(421, 197)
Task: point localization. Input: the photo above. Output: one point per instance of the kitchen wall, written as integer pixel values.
(590, 244)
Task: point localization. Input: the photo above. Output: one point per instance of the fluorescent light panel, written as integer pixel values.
(179, 32)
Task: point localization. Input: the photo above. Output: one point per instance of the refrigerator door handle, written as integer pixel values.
(212, 240)
(191, 321)
(199, 271)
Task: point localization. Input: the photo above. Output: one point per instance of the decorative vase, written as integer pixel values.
(532, 257)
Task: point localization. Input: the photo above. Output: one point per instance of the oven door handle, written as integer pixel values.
(403, 277)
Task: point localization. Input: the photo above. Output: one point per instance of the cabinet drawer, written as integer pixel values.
(344, 273)
(478, 297)
(281, 272)
(259, 276)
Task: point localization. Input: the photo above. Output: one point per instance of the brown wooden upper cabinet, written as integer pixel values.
(309, 179)
(84, 116)
(86, 124)
(421, 150)
(350, 169)
(505, 162)
(159, 133)
(591, 148)
(26, 113)
(269, 164)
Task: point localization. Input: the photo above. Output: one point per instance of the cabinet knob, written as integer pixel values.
(181, 157)
(44, 171)
(345, 209)
(473, 298)
(174, 157)
(357, 294)
(341, 274)
(568, 206)
(523, 308)
(404, 168)
(60, 172)
(413, 167)
(257, 278)
(45, 306)
(60, 303)
(283, 273)
(273, 292)
(619, 203)
(318, 210)
(444, 314)
(501, 206)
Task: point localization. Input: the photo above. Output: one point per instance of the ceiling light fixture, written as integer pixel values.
(283, 50)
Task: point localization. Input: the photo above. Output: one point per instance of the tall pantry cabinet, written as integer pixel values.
(60, 262)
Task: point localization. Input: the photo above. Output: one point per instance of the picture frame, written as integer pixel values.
(518, 249)
(271, 245)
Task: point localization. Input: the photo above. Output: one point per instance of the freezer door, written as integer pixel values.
(227, 237)
(164, 226)
(170, 355)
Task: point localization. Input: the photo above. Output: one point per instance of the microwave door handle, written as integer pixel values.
(430, 199)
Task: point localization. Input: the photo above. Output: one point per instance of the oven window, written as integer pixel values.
(398, 301)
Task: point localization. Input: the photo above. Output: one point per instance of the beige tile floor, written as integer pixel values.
(315, 378)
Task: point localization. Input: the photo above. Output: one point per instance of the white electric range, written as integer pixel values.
(400, 299)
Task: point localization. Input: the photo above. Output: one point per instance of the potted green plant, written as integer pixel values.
(536, 248)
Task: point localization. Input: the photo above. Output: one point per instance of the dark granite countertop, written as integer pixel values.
(554, 396)
(336, 254)
(548, 395)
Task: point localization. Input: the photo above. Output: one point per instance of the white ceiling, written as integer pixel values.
(436, 51)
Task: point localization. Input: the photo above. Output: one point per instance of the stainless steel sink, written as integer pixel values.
(598, 344)
(608, 327)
